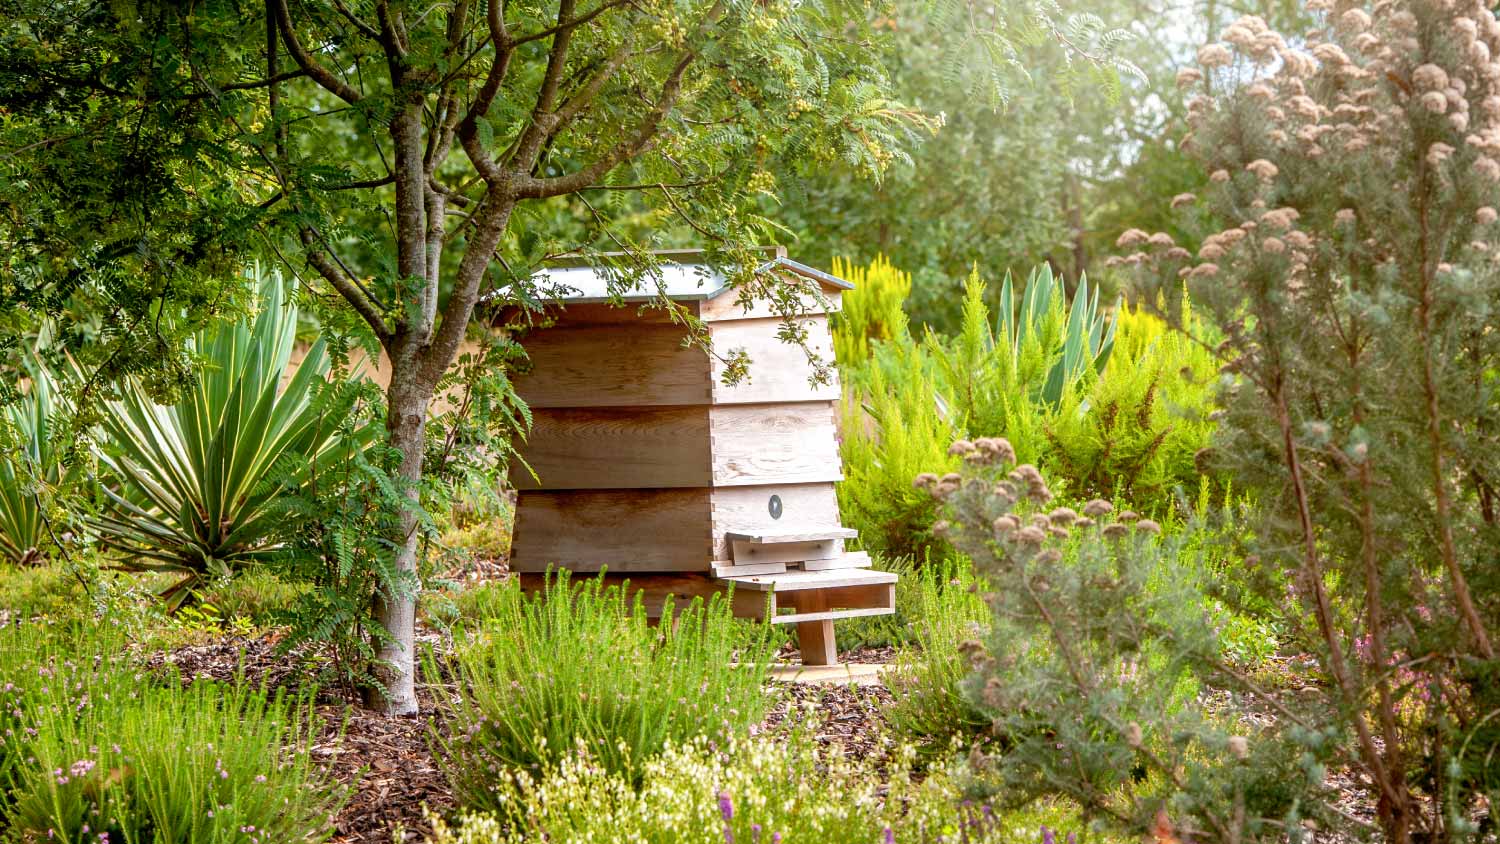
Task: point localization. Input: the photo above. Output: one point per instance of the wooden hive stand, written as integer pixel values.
(643, 462)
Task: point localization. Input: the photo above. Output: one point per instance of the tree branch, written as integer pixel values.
(320, 74)
(571, 22)
(490, 222)
(319, 258)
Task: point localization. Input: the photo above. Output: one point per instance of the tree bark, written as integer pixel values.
(407, 401)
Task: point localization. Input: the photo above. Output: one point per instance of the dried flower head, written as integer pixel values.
(1239, 747)
(1214, 55)
(1485, 216)
(1189, 76)
(960, 447)
(1063, 516)
(1030, 535)
(924, 480)
(1131, 238)
(1148, 526)
(1219, 176)
(1133, 734)
(1115, 530)
(1097, 507)
(1263, 169)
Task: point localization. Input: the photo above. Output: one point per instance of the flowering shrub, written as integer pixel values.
(578, 668)
(1355, 288)
(747, 791)
(91, 751)
(1100, 640)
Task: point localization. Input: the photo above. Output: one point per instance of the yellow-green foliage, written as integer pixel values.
(872, 310)
(894, 427)
(1135, 430)
(1132, 427)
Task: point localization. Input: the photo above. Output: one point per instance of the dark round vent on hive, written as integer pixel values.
(774, 506)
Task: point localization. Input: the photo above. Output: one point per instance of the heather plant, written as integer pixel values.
(1354, 282)
(745, 790)
(161, 763)
(929, 707)
(579, 667)
(1100, 640)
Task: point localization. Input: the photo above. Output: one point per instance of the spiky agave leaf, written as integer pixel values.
(31, 469)
(195, 479)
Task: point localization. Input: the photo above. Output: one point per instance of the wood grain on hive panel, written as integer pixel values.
(779, 372)
(774, 443)
(624, 530)
(613, 366)
(616, 448)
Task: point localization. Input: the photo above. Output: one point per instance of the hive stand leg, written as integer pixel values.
(815, 638)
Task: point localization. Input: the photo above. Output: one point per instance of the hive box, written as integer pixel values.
(641, 460)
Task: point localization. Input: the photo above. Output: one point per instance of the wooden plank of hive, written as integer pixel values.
(613, 366)
(846, 560)
(785, 442)
(729, 305)
(622, 530)
(794, 581)
(792, 533)
(745, 551)
(615, 448)
(779, 372)
(729, 568)
(747, 510)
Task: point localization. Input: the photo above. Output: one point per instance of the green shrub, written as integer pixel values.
(1135, 433)
(872, 311)
(48, 592)
(169, 765)
(1106, 406)
(930, 707)
(260, 598)
(195, 495)
(1098, 647)
(753, 791)
(579, 667)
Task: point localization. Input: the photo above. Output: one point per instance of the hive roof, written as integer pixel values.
(683, 275)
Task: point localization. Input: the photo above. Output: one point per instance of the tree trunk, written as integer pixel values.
(407, 399)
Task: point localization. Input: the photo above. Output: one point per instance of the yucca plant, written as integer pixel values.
(31, 469)
(197, 479)
(1083, 342)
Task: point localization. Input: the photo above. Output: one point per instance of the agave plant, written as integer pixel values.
(1085, 342)
(31, 469)
(198, 480)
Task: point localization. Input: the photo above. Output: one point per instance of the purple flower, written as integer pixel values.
(755, 833)
(1048, 836)
(1072, 838)
(890, 836)
(726, 806)
(775, 838)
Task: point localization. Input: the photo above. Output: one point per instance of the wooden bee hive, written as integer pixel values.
(643, 462)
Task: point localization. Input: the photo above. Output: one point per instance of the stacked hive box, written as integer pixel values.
(643, 462)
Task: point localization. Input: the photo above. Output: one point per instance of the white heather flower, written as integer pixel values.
(1182, 199)
(1214, 55)
(1204, 271)
(1219, 176)
(1438, 153)
(1262, 168)
(1189, 76)
(1435, 102)
(1355, 20)
(1486, 215)
(1274, 245)
(1429, 77)
(1131, 237)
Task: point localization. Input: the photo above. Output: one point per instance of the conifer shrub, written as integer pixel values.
(579, 668)
(1099, 643)
(1352, 282)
